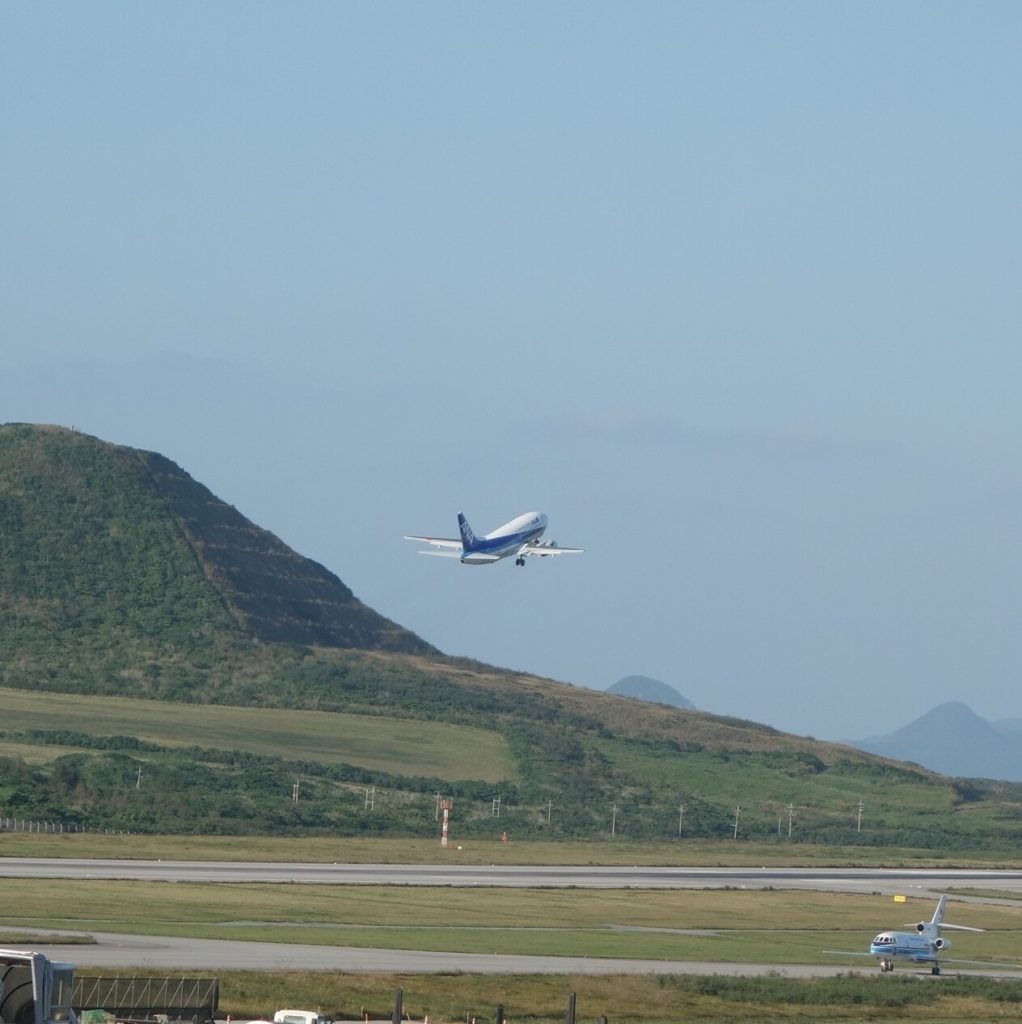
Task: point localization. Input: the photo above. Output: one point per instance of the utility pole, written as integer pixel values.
(295, 790)
(858, 826)
(549, 807)
(681, 817)
(613, 822)
(495, 808)
(791, 814)
(138, 778)
(738, 810)
(436, 816)
(370, 803)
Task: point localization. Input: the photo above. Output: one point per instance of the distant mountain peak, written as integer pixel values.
(951, 707)
(646, 688)
(952, 739)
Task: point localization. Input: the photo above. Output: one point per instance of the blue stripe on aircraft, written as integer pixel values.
(496, 544)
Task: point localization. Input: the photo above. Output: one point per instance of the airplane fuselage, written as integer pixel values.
(918, 946)
(506, 540)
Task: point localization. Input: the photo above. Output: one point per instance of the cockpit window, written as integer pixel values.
(883, 940)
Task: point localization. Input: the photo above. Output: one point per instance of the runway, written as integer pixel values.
(208, 954)
(170, 953)
(881, 880)
(113, 951)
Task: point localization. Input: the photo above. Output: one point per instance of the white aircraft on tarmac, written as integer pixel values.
(520, 537)
(924, 945)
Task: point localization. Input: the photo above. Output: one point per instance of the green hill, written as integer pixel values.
(124, 583)
(122, 574)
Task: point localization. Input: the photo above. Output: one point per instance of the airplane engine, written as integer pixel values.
(941, 944)
(921, 927)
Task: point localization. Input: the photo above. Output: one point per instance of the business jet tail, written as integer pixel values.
(938, 920)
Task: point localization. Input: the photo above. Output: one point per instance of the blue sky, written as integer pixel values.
(730, 290)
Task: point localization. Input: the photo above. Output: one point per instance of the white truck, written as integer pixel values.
(300, 1017)
(34, 989)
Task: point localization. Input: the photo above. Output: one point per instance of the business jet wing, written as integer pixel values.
(978, 963)
(449, 548)
(543, 548)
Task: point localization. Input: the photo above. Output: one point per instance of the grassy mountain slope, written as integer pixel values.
(277, 595)
(120, 575)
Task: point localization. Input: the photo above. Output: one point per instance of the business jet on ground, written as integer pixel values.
(925, 945)
(520, 537)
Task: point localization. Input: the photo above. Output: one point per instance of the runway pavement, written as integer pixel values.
(882, 880)
(168, 953)
(207, 954)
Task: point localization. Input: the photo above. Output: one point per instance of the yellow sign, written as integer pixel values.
(901, 899)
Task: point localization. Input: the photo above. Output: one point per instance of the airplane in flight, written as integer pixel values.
(925, 945)
(520, 537)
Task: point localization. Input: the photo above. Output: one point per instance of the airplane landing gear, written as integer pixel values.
(934, 969)
(520, 561)
(886, 965)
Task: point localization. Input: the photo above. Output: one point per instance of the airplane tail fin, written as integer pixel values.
(468, 538)
(938, 920)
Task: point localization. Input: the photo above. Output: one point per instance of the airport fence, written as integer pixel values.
(53, 827)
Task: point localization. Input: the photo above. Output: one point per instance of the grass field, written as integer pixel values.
(622, 999)
(358, 850)
(699, 773)
(430, 749)
(714, 925)
(648, 780)
(631, 999)
(35, 753)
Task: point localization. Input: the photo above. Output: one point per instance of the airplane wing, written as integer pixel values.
(979, 963)
(547, 547)
(438, 542)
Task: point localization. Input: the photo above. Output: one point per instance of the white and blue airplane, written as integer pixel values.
(924, 945)
(520, 537)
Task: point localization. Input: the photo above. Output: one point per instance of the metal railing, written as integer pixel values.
(144, 998)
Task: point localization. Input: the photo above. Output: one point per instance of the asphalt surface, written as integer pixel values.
(160, 953)
(880, 880)
(168, 953)
(209, 954)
